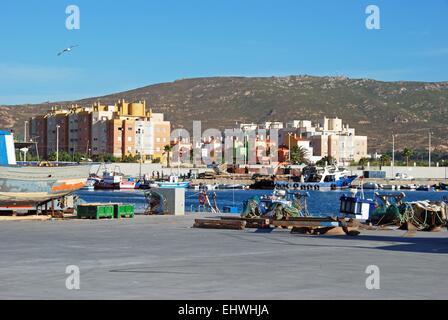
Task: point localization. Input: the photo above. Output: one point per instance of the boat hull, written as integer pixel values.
(36, 185)
(175, 185)
(343, 183)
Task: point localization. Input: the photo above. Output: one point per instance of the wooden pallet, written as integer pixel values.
(256, 223)
(330, 231)
(302, 225)
(219, 224)
(318, 226)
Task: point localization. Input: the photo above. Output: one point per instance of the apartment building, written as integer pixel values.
(57, 131)
(122, 129)
(101, 116)
(329, 137)
(38, 134)
(80, 130)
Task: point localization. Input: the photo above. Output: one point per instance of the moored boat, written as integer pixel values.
(30, 186)
(320, 178)
(115, 180)
(172, 183)
(35, 185)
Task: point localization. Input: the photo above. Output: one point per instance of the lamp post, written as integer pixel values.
(57, 143)
(24, 133)
(140, 133)
(429, 150)
(289, 147)
(393, 155)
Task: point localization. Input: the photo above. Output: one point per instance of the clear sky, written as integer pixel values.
(129, 44)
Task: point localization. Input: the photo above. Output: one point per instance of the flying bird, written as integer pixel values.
(67, 50)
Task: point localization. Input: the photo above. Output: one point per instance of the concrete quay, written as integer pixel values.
(162, 257)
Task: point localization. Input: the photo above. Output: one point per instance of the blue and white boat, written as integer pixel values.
(320, 178)
(25, 187)
(172, 183)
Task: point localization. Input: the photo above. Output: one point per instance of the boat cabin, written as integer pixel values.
(7, 151)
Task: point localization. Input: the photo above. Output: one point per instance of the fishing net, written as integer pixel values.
(424, 215)
(156, 203)
(252, 208)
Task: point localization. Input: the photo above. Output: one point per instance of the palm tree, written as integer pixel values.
(363, 162)
(327, 160)
(299, 155)
(168, 150)
(407, 153)
(384, 160)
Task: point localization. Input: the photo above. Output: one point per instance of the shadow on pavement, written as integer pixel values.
(435, 245)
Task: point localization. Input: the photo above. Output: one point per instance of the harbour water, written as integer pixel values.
(319, 203)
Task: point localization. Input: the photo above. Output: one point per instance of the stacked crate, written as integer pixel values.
(123, 211)
(101, 210)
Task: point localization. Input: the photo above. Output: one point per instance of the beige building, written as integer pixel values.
(79, 130)
(328, 138)
(135, 131)
(123, 129)
(101, 115)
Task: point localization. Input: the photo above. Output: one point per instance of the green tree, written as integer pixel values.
(130, 158)
(363, 162)
(105, 158)
(299, 155)
(167, 150)
(384, 160)
(407, 153)
(328, 160)
(79, 157)
(63, 156)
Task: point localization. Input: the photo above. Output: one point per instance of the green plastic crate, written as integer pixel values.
(95, 211)
(124, 211)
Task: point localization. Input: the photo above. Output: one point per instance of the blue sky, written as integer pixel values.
(134, 43)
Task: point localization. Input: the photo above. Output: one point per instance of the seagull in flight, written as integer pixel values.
(67, 49)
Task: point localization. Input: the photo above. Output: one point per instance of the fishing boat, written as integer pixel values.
(29, 186)
(356, 206)
(408, 187)
(90, 185)
(424, 188)
(231, 186)
(115, 180)
(320, 178)
(35, 185)
(173, 182)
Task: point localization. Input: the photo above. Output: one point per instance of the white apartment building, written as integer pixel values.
(328, 138)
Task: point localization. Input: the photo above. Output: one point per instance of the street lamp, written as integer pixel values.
(57, 143)
(140, 133)
(24, 133)
(429, 150)
(393, 155)
(289, 146)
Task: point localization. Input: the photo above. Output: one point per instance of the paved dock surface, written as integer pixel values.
(164, 258)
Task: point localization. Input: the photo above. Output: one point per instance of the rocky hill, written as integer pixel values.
(376, 109)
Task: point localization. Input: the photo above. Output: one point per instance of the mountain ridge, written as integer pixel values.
(377, 109)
